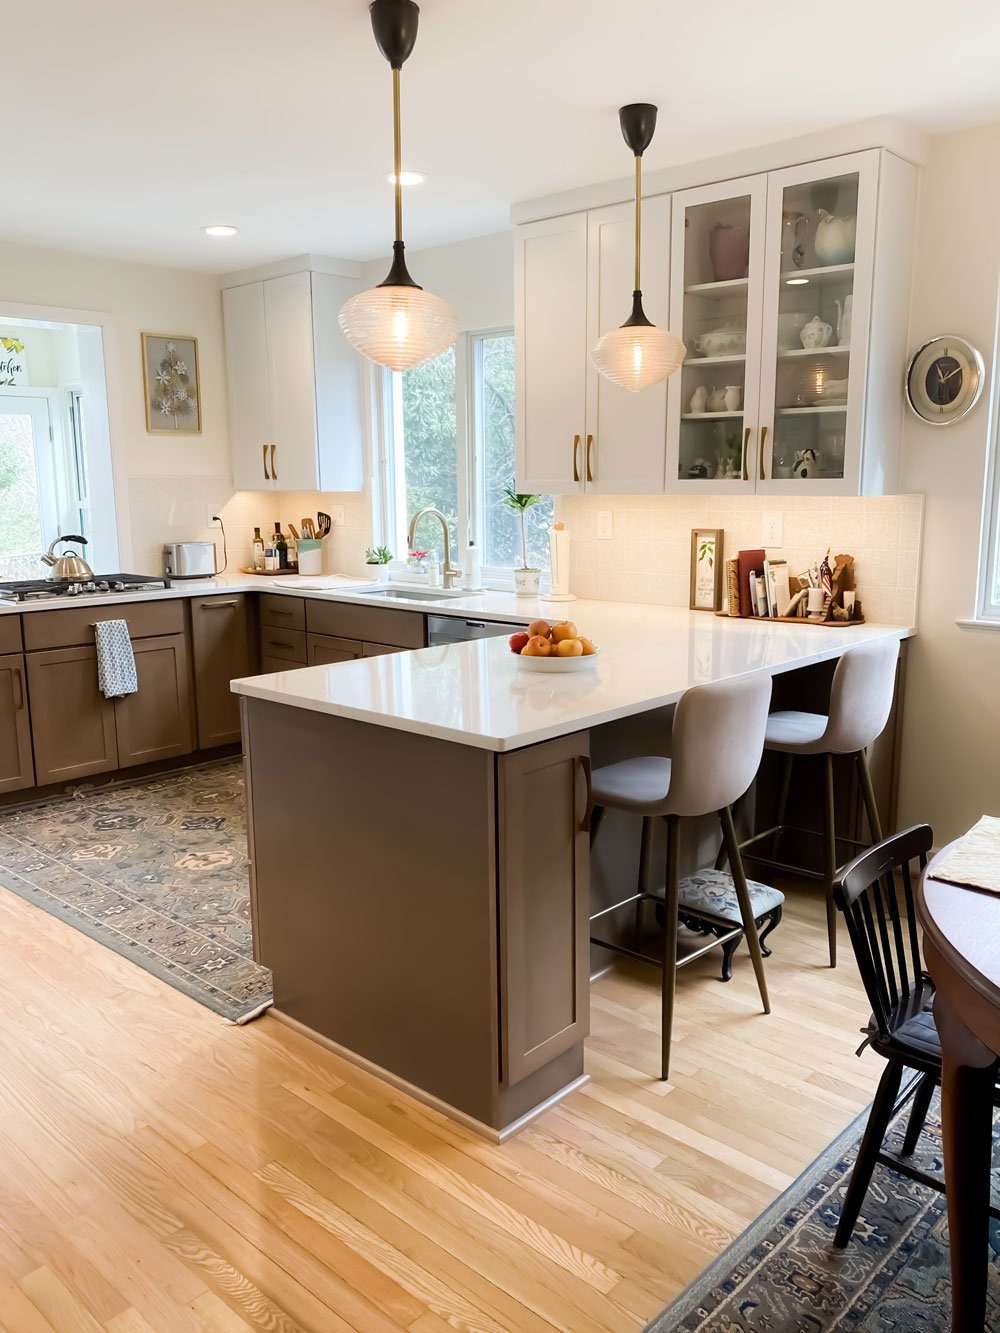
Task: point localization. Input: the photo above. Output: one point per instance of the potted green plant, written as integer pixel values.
(377, 561)
(527, 577)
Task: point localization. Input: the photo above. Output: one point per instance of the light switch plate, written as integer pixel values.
(605, 525)
(337, 516)
(772, 529)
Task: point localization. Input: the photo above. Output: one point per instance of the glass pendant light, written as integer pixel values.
(638, 354)
(397, 324)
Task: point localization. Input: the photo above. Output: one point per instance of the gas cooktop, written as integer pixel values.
(47, 590)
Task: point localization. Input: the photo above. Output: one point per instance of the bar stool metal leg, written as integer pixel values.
(868, 795)
(786, 782)
(641, 881)
(743, 898)
(669, 977)
(829, 855)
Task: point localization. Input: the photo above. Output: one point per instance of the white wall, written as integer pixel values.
(476, 277)
(170, 481)
(951, 736)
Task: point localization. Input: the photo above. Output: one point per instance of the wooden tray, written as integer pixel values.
(271, 573)
(798, 620)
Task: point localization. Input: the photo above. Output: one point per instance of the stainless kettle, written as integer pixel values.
(69, 567)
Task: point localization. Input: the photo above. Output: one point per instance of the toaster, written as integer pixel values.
(189, 560)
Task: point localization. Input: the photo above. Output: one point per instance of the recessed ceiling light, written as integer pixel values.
(406, 178)
(796, 282)
(220, 229)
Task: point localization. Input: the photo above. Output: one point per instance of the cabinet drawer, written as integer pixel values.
(10, 634)
(67, 629)
(379, 649)
(325, 650)
(372, 624)
(282, 612)
(287, 644)
(268, 665)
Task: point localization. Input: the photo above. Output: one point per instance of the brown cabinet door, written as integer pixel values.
(156, 723)
(544, 891)
(380, 649)
(16, 768)
(221, 647)
(269, 665)
(72, 724)
(324, 650)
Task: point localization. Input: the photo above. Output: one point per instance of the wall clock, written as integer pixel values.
(944, 380)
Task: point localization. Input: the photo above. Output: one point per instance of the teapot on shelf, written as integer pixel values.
(844, 314)
(817, 333)
(835, 237)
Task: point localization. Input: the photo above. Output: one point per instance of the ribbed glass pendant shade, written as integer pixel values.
(638, 355)
(398, 327)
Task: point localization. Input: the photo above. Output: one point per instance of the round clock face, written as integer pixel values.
(944, 380)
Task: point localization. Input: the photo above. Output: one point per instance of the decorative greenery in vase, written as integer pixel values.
(520, 504)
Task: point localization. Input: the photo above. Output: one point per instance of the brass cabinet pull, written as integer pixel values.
(278, 611)
(215, 603)
(760, 456)
(267, 475)
(280, 643)
(590, 445)
(15, 675)
(746, 441)
(274, 470)
(586, 768)
(576, 458)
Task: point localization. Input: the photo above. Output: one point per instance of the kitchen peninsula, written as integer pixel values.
(418, 832)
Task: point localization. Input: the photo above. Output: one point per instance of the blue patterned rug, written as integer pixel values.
(783, 1274)
(155, 869)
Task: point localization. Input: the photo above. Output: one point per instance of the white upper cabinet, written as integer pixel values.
(577, 431)
(294, 385)
(550, 365)
(790, 289)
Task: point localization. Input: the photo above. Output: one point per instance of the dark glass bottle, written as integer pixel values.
(281, 546)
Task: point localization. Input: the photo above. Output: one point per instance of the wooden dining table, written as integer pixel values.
(961, 928)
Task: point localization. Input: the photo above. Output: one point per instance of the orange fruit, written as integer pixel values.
(587, 647)
(538, 627)
(536, 647)
(569, 648)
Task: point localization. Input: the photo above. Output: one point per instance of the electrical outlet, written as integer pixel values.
(771, 529)
(605, 525)
(211, 511)
(337, 516)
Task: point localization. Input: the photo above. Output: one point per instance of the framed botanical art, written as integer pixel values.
(706, 569)
(172, 384)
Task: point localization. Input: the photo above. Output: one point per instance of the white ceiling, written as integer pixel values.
(128, 125)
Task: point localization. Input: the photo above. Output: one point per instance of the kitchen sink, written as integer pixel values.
(412, 594)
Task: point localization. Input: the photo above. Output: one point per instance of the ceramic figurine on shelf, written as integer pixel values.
(699, 470)
(826, 575)
(699, 399)
(730, 474)
(720, 469)
(805, 463)
(733, 396)
(717, 400)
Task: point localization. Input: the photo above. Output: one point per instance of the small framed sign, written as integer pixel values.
(706, 569)
(13, 364)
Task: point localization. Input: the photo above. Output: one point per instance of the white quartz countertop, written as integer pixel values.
(476, 694)
(503, 606)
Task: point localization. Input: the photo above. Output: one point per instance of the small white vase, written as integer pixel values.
(526, 582)
(380, 573)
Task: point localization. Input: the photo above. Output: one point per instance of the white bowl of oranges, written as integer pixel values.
(554, 647)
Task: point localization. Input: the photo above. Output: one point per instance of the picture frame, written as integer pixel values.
(706, 569)
(171, 381)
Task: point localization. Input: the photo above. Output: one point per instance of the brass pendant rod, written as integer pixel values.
(638, 218)
(397, 153)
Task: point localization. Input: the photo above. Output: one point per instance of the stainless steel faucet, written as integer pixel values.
(449, 573)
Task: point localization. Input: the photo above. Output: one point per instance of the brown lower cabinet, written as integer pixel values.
(72, 724)
(325, 650)
(156, 723)
(16, 768)
(220, 646)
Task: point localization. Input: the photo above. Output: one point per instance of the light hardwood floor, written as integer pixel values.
(162, 1170)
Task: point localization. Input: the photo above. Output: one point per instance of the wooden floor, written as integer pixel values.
(162, 1170)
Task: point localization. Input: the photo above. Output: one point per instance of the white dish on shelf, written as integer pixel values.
(557, 665)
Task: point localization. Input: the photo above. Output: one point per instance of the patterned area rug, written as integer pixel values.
(155, 869)
(783, 1274)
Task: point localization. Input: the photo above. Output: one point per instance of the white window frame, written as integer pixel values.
(987, 597)
(387, 461)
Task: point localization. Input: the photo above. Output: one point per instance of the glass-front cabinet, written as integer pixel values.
(771, 290)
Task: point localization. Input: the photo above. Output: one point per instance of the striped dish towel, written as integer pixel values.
(116, 675)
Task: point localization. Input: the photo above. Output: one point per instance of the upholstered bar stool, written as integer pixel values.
(716, 745)
(860, 703)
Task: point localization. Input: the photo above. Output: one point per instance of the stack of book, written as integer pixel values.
(758, 585)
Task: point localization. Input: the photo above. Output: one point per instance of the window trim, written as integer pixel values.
(987, 596)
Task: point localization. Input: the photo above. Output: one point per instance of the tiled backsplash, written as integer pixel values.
(648, 558)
